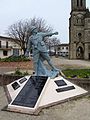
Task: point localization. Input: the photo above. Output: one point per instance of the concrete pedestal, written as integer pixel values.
(32, 93)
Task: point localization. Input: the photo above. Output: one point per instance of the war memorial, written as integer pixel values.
(46, 87)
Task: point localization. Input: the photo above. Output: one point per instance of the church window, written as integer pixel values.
(77, 20)
(81, 4)
(77, 2)
(79, 34)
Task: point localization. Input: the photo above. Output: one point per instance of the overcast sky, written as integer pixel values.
(55, 12)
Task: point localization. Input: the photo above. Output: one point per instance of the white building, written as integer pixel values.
(8, 47)
(61, 50)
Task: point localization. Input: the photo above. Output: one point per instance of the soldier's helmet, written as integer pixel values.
(33, 28)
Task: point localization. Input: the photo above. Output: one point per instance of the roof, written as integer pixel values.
(63, 44)
(3, 37)
(7, 38)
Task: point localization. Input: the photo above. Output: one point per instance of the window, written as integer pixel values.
(0, 44)
(79, 34)
(5, 53)
(81, 3)
(77, 2)
(58, 48)
(89, 56)
(66, 48)
(62, 47)
(6, 44)
(79, 21)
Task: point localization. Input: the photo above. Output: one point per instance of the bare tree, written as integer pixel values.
(53, 42)
(21, 30)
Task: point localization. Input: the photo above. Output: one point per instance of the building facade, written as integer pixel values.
(8, 47)
(61, 50)
(79, 30)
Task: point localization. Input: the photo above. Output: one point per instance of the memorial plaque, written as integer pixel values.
(30, 93)
(65, 89)
(15, 85)
(60, 83)
(22, 80)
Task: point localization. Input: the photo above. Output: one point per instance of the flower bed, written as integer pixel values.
(77, 73)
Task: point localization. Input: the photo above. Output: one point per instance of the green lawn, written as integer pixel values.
(79, 73)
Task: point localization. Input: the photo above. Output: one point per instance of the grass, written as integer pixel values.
(78, 73)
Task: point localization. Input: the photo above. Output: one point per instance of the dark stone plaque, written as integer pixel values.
(15, 85)
(22, 80)
(65, 89)
(30, 93)
(60, 83)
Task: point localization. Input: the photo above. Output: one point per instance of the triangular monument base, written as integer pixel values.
(32, 93)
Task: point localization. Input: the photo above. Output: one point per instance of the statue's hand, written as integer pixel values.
(56, 33)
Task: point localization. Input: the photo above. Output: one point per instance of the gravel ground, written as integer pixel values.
(66, 63)
(72, 110)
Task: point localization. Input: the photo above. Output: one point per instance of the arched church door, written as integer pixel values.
(80, 53)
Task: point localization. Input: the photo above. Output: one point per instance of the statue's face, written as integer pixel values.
(35, 30)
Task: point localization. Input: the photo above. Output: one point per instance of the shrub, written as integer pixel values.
(19, 73)
(15, 59)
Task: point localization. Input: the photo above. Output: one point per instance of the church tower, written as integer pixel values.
(78, 5)
(78, 30)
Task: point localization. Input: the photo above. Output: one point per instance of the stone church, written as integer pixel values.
(79, 30)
